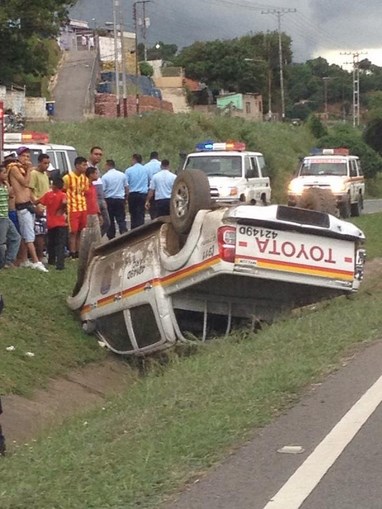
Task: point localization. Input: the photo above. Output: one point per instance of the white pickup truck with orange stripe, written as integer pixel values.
(145, 290)
(335, 171)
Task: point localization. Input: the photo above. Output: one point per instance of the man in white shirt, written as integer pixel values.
(114, 188)
(152, 167)
(161, 185)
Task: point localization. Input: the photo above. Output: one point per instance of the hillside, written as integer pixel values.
(171, 135)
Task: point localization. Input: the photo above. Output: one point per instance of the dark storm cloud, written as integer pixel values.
(318, 25)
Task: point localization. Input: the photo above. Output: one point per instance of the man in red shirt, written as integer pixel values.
(92, 205)
(55, 203)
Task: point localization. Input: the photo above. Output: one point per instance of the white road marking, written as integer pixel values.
(308, 475)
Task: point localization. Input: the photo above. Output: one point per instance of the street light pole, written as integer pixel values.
(123, 60)
(116, 57)
(136, 58)
(325, 80)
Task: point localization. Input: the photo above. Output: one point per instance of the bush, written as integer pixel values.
(348, 137)
(316, 127)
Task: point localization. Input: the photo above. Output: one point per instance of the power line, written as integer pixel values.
(356, 97)
(279, 13)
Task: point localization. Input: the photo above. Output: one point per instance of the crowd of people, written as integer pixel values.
(41, 218)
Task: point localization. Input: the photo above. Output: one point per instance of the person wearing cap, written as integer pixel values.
(161, 186)
(19, 174)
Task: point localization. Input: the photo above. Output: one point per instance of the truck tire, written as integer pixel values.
(190, 193)
(321, 200)
(345, 209)
(357, 207)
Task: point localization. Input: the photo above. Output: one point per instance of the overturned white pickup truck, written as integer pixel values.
(205, 270)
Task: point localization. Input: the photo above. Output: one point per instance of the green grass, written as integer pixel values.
(36, 319)
(281, 144)
(179, 420)
(370, 224)
(183, 416)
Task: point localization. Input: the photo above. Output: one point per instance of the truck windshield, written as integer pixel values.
(323, 168)
(220, 166)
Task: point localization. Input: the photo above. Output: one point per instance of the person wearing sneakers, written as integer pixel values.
(19, 173)
(75, 185)
(55, 203)
(9, 236)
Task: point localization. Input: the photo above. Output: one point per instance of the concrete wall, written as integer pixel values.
(13, 99)
(169, 82)
(35, 108)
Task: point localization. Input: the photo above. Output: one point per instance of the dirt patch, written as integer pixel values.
(81, 389)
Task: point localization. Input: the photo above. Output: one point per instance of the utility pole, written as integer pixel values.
(135, 18)
(116, 57)
(123, 59)
(279, 13)
(145, 25)
(325, 80)
(356, 97)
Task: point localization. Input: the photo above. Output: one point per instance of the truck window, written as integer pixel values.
(353, 168)
(262, 166)
(255, 167)
(324, 168)
(144, 325)
(52, 158)
(34, 156)
(222, 166)
(72, 154)
(62, 163)
(119, 339)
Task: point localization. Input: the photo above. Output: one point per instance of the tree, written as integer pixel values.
(146, 69)
(26, 30)
(242, 65)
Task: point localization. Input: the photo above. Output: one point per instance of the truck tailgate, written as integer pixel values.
(290, 252)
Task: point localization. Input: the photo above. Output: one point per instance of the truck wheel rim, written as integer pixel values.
(181, 200)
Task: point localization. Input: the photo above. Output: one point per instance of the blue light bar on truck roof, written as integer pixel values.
(340, 151)
(209, 145)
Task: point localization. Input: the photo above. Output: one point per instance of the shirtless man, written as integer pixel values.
(19, 173)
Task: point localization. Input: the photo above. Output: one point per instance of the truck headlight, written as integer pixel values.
(233, 191)
(338, 187)
(296, 187)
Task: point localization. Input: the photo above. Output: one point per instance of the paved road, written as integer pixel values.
(322, 477)
(73, 80)
(372, 206)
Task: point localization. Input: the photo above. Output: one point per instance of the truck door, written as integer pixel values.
(260, 184)
(354, 183)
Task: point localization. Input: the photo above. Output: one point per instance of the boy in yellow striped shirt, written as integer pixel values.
(76, 184)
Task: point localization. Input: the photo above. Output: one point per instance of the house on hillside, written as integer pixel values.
(248, 106)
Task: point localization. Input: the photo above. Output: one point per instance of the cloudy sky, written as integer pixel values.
(318, 27)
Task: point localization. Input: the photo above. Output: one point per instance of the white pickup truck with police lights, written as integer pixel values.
(234, 173)
(335, 171)
(228, 266)
(61, 156)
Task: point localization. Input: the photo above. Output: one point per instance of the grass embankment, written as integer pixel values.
(178, 420)
(36, 319)
(281, 144)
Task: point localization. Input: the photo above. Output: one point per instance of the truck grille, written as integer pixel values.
(214, 192)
